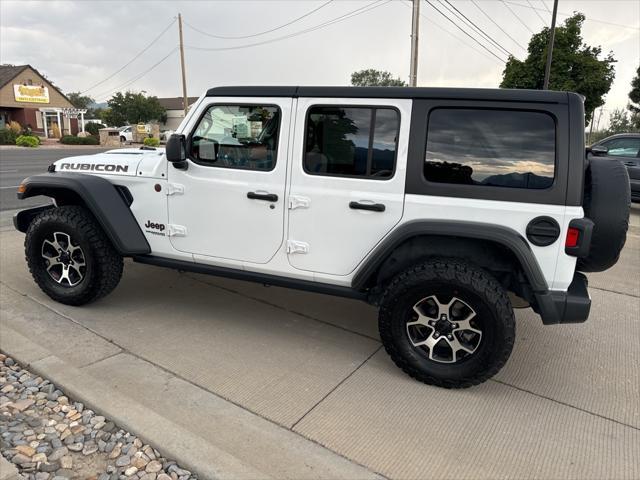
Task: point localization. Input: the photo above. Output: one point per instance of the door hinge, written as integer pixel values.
(294, 246)
(296, 201)
(174, 188)
(176, 231)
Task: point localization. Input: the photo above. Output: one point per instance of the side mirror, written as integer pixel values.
(176, 148)
(176, 151)
(599, 150)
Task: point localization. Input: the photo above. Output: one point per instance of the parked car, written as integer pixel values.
(126, 134)
(626, 148)
(439, 206)
(165, 134)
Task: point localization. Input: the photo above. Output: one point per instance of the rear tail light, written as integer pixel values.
(573, 237)
(578, 239)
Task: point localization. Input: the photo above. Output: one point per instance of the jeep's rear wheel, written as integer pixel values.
(447, 323)
(70, 257)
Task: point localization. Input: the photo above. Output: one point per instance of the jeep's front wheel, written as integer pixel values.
(70, 257)
(447, 323)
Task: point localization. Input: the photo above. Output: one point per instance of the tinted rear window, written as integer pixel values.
(500, 148)
(351, 141)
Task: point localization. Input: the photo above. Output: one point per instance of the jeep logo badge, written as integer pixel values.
(155, 228)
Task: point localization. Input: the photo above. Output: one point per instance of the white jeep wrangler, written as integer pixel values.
(444, 207)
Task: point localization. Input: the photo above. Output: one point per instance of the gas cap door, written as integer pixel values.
(543, 231)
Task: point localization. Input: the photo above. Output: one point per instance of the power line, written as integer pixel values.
(351, 14)
(460, 39)
(588, 19)
(133, 59)
(459, 14)
(498, 25)
(544, 22)
(545, 5)
(238, 37)
(517, 17)
(464, 31)
(137, 77)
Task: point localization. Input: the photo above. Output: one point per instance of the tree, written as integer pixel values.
(634, 100)
(80, 101)
(132, 108)
(375, 78)
(619, 122)
(85, 102)
(576, 67)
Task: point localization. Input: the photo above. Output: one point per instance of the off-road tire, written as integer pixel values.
(607, 201)
(471, 284)
(103, 263)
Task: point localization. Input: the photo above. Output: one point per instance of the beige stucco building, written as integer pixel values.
(175, 110)
(31, 100)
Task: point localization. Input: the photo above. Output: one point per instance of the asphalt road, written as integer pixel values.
(16, 165)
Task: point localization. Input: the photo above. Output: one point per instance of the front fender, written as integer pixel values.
(23, 218)
(99, 196)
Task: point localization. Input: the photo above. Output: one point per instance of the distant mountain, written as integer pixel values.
(519, 180)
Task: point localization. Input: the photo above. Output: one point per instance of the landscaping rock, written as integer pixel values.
(50, 437)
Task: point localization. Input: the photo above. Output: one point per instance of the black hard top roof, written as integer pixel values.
(489, 94)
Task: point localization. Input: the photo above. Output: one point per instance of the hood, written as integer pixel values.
(123, 162)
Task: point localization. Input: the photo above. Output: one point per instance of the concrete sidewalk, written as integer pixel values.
(267, 378)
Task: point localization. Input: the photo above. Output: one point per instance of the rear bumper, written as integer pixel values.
(572, 306)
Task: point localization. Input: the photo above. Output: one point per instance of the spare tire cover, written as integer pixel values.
(607, 201)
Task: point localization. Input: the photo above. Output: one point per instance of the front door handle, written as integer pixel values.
(269, 197)
(374, 207)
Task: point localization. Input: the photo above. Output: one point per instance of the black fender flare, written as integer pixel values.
(505, 236)
(100, 196)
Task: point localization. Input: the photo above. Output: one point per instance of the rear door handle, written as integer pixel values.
(374, 207)
(269, 197)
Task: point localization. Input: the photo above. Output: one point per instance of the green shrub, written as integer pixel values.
(8, 136)
(151, 142)
(73, 140)
(93, 128)
(27, 141)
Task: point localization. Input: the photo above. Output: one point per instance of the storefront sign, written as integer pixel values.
(31, 93)
(143, 128)
(73, 112)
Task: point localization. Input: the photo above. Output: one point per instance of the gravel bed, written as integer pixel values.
(48, 436)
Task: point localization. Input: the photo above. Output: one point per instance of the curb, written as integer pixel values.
(174, 441)
(8, 470)
(208, 454)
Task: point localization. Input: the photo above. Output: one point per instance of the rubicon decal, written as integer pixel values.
(95, 167)
(155, 228)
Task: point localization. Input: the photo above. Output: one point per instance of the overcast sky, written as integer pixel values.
(79, 44)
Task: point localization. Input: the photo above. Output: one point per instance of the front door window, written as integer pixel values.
(237, 136)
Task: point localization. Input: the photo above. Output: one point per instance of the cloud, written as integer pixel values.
(78, 44)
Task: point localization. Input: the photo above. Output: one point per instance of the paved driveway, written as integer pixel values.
(565, 406)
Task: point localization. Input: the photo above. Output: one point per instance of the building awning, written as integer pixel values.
(67, 112)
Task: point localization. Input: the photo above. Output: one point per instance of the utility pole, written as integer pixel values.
(415, 27)
(185, 100)
(552, 36)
